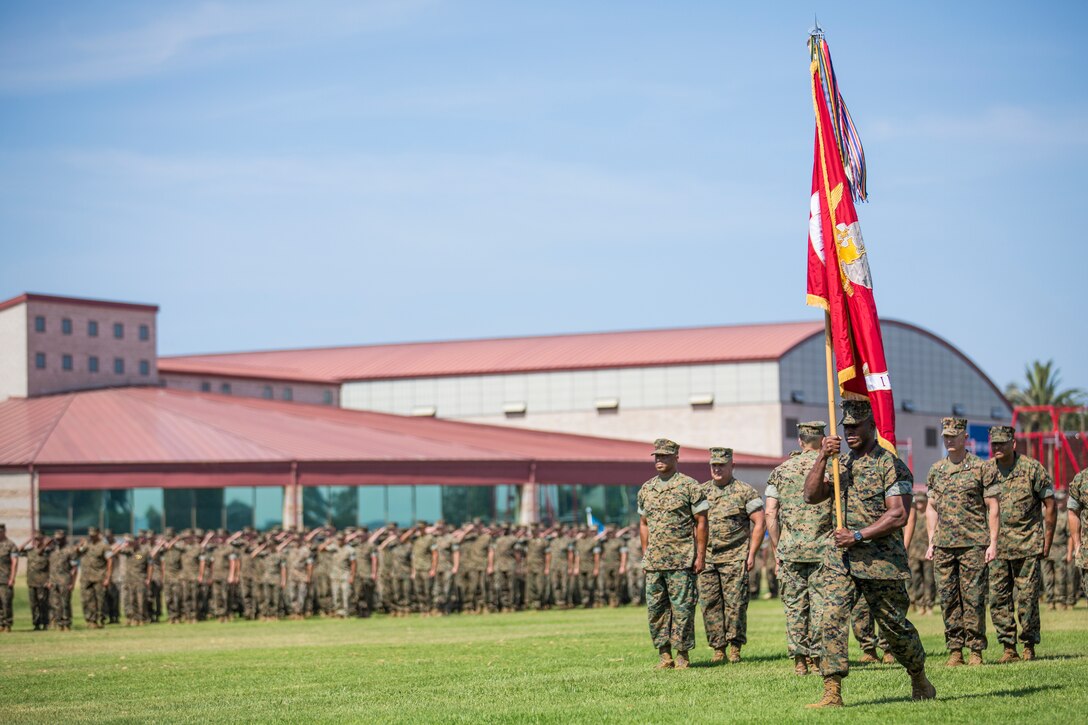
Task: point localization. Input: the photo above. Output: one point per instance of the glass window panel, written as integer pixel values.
(548, 502)
(429, 503)
(53, 510)
(343, 506)
(117, 505)
(399, 505)
(618, 505)
(86, 511)
(268, 507)
(592, 497)
(464, 503)
(567, 504)
(371, 502)
(238, 501)
(506, 502)
(315, 505)
(147, 508)
(178, 507)
(208, 507)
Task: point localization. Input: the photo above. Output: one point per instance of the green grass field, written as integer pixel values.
(577, 666)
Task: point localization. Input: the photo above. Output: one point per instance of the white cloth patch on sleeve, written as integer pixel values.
(700, 507)
(772, 490)
(754, 505)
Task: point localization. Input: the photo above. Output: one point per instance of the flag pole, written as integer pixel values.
(831, 417)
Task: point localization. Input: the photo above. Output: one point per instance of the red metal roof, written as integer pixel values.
(125, 437)
(732, 343)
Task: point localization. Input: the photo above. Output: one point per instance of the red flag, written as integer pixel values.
(838, 266)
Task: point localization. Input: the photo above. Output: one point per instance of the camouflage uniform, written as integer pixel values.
(585, 549)
(93, 562)
(62, 560)
(222, 589)
(610, 582)
(341, 559)
(422, 546)
(875, 570)
(504, 580)
(191, 556)
(172, 583)
(9, 553)
(1015, 571)
(923, 589)
(474, 548)
(803, 532)
(364, 585)
(636, 577)
(670, 506)
(134, 563)
(723, 584)
(1057, 572)
(536, 581)
(559, 547)
(445, 581)
(37, 583)
(299, 561)
(957, 495)
(1078, 506)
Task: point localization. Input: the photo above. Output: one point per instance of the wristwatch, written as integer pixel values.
(858, 537)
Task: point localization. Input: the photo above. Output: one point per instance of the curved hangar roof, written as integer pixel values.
(155, 437)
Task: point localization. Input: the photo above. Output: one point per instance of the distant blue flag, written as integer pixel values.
(591, 521)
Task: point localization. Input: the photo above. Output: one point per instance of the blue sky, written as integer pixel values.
(294, 174)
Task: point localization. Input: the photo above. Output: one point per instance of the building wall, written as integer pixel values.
(80, 345)
(15, 504)
(13, 356)
(311, 393)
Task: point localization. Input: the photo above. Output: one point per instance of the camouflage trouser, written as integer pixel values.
(247, 594)
(364, 595)
(1023, 574)
(865, 627)
(723, 596)
(342, 585)
(961, 572)
(175, 596)
(586, 586)
(444, 591)
(298, 592)
(536, 590)
(39, 606)
(190, 598)
(60, 604)
(670, 608)
(7, 598)
(422, 583)
(134, 595)
(222, 598)
(502, 590)
(1058, 580)
(473, 594)
(923, 589)
(113, 603)
(154, 601)
(93, 597)
(636, 584)
(887, 600)
(803, 603)
(557, 584)
(400, 593)
(609, 585)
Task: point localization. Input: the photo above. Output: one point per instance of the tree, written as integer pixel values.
(1043, 387)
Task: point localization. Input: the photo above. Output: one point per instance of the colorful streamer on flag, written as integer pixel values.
(845, 133)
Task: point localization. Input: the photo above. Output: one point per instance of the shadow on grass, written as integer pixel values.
(1020, 692)
(745, 658)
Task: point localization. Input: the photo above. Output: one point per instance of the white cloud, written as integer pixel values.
(202, 34)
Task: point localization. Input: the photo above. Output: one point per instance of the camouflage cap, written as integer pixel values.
(1060, 495)
(953, 426)
(721, 455)
(856, 411)
(665, 447)
(60, 534)
(92, 529)
(812, 428)
(1002, 433)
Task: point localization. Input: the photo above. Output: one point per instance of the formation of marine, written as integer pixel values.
(427, 569)
(981, 533)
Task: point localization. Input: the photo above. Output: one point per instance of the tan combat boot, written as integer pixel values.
(813, 664)
(666, 662)
(955, 659)
(975, 658)
(889, 658)
(734, 653)
(1029, 653)
(920, 686)
(1009, 655)
(800, 665)
(719, 656)
(682, 660)
(832, 693)
(869, 657)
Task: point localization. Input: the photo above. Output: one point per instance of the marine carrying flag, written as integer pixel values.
(839, 280)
